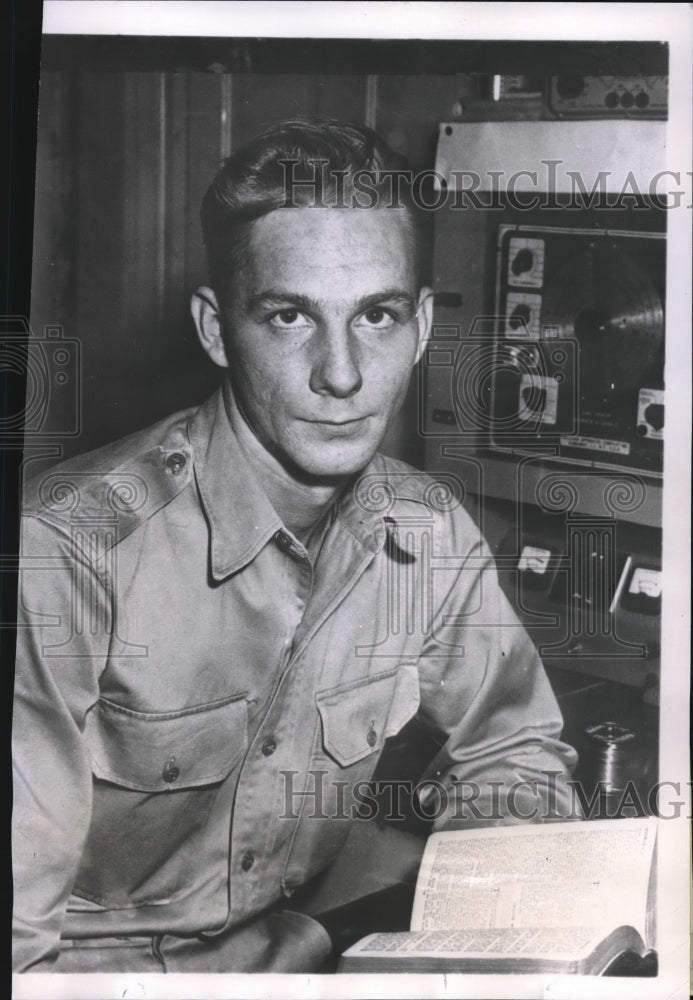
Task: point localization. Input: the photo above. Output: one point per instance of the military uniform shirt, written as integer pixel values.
(196, 702)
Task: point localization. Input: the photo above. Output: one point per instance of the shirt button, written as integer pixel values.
(170, 772)
(283, 541)
(247, 861)
(176, 462)
(371, 736)
(269, 746)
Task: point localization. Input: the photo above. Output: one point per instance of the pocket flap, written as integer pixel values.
(154, 752)
(357, 718)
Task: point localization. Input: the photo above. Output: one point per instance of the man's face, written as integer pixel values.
(323, 325)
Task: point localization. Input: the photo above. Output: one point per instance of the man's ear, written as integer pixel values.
(206, 314)
(424, 318)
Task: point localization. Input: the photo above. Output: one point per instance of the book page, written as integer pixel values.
(562, 943)
(569, 875)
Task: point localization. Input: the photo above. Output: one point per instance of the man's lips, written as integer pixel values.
(337, 423)
(353, 427)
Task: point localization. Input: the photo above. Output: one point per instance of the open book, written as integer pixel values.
(562, 897)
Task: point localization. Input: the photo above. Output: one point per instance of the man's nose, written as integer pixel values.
(336, 370)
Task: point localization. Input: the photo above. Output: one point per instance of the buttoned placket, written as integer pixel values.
(300, 573)
(256, 865)
(249, 838)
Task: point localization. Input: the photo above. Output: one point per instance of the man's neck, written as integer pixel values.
(302, 507)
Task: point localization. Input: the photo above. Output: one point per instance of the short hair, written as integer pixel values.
(305, 162)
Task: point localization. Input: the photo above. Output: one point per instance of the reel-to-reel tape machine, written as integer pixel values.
(548, 334)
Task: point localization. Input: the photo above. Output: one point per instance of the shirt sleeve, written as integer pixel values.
(485, 693)
(62, 635)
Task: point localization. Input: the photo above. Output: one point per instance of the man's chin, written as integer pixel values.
(334, 464)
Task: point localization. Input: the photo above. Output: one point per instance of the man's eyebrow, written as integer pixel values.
(277, 297)
(396, 296)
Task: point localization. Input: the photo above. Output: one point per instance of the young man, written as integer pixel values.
(225, 616)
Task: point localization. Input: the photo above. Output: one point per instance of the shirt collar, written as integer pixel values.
(385, 502)
(240, 517)
(242, 520)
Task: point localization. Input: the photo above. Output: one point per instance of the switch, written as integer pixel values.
(654, 415)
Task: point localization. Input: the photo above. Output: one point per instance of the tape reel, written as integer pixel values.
(605, 300)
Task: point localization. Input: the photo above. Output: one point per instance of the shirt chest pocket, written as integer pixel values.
(158, 778)
(357, 718)
(157, 752)
(355, 721)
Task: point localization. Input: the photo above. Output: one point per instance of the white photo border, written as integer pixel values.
(668, 22)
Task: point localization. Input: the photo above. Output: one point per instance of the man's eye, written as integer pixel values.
(376, 318)
(287, 318)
